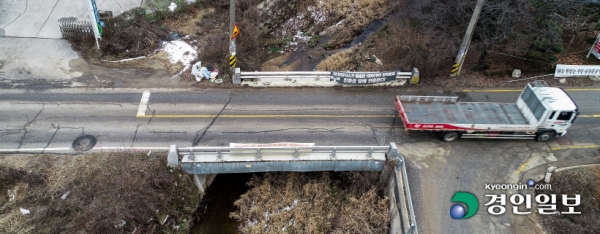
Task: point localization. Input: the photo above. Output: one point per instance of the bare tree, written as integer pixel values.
(574, 17)
(503, 22)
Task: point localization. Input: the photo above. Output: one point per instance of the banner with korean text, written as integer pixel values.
(361, 78)
(576, 70)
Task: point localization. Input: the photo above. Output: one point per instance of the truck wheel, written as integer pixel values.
(450, 136)
(545, 136)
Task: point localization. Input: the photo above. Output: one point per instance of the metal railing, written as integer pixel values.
(410, 98)
(411, 211)
(257, 153)
(75, 29)
(216, 160)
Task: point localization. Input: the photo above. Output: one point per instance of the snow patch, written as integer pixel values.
(315, 14)
(301, 36)
(179, 51)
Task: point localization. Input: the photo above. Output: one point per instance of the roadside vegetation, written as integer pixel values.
(350, 202)
(94, 193)
(582, 181)
(531, 36)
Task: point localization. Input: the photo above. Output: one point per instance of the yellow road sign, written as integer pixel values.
(236, 31)
(232, 61)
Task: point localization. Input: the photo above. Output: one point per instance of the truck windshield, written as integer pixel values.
(565, 115)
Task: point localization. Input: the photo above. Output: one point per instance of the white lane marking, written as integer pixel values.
(32, 150)
(143, 103)
(106, 148)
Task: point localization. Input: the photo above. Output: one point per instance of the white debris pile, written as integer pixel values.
(180, 51)
(64, 196)
(25, 211)
(172, 6)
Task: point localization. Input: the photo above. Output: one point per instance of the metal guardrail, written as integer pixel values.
(304, 74)
(413, 76)
(411, 211)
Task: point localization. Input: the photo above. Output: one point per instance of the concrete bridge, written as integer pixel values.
(206, 162)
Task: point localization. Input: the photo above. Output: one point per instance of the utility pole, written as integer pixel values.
(464, 47)
(232, 45)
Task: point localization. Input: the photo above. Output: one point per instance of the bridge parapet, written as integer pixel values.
(209, 160)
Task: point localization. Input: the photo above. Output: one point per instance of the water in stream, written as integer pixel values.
(214, 211)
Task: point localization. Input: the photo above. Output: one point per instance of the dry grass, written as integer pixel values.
(357, 14)
(583, 181)
(173, 68)
(187, 24)
(277, 64)
(104, 190)
(352, 59)
(313, 203)
(399, 46)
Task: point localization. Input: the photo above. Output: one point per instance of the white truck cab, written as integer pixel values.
(550, 108)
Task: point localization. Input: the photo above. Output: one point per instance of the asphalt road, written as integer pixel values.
(50, 120)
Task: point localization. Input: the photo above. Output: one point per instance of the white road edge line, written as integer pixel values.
(33, 149)
(108, 148)
(143, 103)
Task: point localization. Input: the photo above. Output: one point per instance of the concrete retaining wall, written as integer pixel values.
(203, 181)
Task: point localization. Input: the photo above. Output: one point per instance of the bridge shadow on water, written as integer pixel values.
(213, 212)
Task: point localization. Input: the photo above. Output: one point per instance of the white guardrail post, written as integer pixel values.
(414, 78)
(237, 77)
(173, 156)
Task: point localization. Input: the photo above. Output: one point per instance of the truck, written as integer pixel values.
(541, 113)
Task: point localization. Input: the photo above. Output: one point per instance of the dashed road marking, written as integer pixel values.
(143, 103)
(590, 116)
(519, 90)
